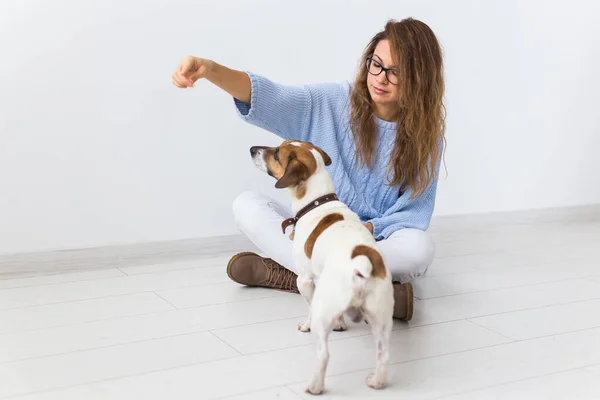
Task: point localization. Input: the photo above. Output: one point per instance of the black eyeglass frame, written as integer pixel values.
(383, 69)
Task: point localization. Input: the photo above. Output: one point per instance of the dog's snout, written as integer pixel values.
(257, 154)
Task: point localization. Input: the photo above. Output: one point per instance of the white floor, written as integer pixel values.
(509, 310)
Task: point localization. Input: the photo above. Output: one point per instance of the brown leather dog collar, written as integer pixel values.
(311, 206)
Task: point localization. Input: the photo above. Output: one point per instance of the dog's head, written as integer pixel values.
(292, 163)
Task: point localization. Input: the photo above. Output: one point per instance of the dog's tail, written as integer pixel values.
(368, 263)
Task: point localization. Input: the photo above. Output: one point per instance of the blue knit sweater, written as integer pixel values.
(320, 114)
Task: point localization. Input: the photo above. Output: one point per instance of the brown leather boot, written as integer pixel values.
(403, 301)
(250, 269)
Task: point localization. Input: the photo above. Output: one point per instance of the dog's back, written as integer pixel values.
(348, 246)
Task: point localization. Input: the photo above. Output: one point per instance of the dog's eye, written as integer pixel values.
(276, 155)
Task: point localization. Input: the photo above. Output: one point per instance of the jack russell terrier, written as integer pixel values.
(333, 247)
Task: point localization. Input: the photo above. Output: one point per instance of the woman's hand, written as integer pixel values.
(369, 226)
(191, 69)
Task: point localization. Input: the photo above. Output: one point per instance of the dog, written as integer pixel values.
(332, 247)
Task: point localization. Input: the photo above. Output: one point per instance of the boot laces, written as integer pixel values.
(280, 277)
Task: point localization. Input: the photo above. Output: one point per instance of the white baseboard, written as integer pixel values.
(520, 217)
(76, 260)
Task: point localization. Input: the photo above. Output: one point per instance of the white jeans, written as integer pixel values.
(408, 253)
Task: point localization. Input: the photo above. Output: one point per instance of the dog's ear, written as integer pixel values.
(295, 172)
(325, 156)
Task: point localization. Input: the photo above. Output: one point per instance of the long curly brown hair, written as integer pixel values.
(421, 112)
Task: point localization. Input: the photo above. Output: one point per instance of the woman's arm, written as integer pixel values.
(191, 69)
(306, 113)
(236, 83)
(280, 109)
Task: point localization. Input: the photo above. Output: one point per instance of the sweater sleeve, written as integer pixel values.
(408, 213)
(282, 110)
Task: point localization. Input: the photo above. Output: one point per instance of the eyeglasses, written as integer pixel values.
(375, 68)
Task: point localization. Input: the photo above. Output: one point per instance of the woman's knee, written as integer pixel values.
(244, 207)
(410, 253)
(422, 249)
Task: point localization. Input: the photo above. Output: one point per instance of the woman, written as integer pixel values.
(384, 134)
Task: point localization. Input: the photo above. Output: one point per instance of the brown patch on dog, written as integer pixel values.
(293, 164)
(295, 172)
(323, 224)
(300, 190)
(325, 156)
(373, 256)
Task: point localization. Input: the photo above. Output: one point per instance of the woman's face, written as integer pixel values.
(382, 91)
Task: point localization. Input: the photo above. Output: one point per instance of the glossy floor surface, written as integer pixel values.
(510, 309)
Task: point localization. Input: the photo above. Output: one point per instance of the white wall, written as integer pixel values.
(97, 147)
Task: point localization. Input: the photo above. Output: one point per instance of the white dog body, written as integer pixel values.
(332, 247)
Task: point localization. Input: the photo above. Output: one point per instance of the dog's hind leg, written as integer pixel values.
(322, 323)
(379, 312)
(381, 332)
(306, 287)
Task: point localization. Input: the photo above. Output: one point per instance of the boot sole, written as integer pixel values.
(410, 298)
(233, 259)
(410, 302)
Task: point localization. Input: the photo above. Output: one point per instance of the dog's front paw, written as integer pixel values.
(314, 389)
(304, 326)
(340, 325)
(374, 382)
